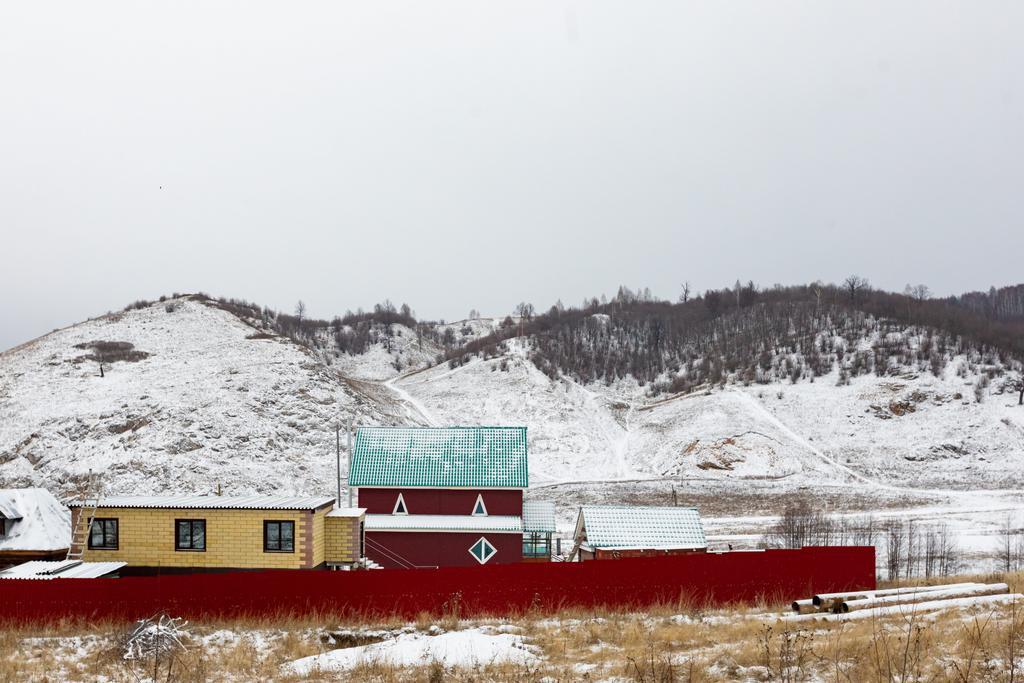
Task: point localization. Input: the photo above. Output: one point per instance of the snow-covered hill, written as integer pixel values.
(205, 399)
(213, 403)
(913, 430)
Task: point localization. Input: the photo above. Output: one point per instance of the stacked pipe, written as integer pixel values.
(868, 603)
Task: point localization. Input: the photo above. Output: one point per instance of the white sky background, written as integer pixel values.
(473, 155)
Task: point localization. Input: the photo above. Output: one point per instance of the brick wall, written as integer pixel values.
(341, 539)
(234, 539)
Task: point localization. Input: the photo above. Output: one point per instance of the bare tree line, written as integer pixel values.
(910, 548)
(743, 334)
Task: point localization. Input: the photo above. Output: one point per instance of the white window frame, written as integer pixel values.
(483, 506)
(489, 544)
(405, 506)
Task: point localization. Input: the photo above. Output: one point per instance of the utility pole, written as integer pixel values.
(337, 452)
(349, 465)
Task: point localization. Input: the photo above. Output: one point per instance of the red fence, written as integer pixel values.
(775, 575)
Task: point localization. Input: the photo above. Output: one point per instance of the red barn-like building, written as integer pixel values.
(441, 496)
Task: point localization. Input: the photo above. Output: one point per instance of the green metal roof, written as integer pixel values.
(441, 457)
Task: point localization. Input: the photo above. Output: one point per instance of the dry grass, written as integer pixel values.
(663, 644)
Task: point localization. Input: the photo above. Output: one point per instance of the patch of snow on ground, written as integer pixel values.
(473, 647)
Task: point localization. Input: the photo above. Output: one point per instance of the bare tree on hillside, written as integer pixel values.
(855, 285)
(684, 295)
(918, 293)
(525, 311)
(300, 311)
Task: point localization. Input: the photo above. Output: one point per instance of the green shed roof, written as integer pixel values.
(442, 457)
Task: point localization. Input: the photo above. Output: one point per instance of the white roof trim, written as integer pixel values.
(494, 524)
(215, 502)
(347, 512)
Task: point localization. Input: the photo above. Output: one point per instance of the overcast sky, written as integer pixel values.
(473, 155)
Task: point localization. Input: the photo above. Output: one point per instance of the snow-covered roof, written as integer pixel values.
(347, 512)
(41, 522)
(610, 526)
(61, 569)
(468, 523)
(7, 509)
(442, 457)
(538, 515)
(215, 502)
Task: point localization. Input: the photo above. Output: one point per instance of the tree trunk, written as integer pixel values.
(1020, 400)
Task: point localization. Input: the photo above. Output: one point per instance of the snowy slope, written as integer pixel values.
(812, 431)
(216, 404)
(207, 407)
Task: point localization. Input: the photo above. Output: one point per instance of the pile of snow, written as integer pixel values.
(42, 522)
(472, 647)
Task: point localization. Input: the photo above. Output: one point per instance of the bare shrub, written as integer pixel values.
(654, 666)
(112, 352)
(802, 525)
(154, 646)
(786, 655)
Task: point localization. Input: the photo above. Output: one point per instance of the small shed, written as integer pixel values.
(612, 532)
(33, 526)
(538, 526)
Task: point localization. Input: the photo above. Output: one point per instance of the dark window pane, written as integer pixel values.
(199, 536)
(287, 536)
(273, 536)
(103, 534)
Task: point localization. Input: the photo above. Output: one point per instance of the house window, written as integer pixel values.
(482, 550)
(537, 544)
(103, 534)
(278, 537)
(479, 509)
(400, 508)
(190, 534)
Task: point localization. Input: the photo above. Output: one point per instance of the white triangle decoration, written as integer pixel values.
(479, 509)
(400, 507)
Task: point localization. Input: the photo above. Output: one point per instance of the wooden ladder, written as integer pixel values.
(83, 525)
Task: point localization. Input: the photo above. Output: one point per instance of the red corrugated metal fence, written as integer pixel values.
(776, 575)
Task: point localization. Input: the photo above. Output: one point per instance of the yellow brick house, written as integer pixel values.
(215, 533)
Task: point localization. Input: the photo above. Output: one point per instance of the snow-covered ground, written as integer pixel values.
(473, 647)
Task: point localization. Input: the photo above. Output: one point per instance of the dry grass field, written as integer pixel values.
(663, 643)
